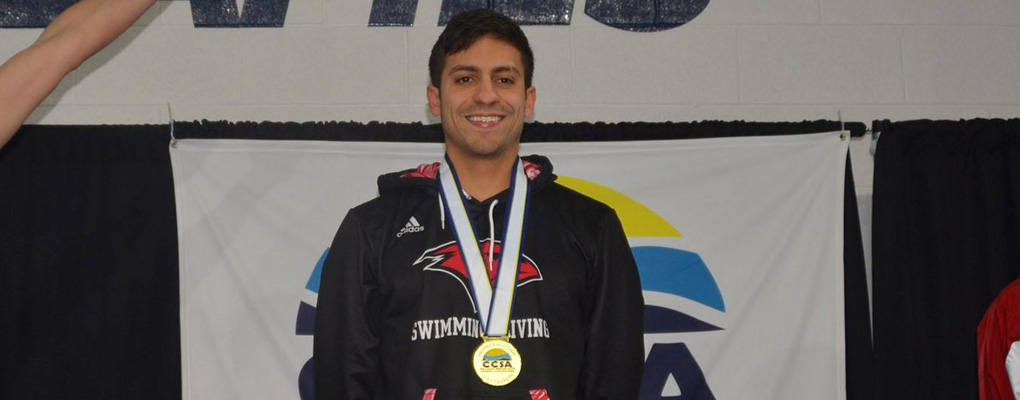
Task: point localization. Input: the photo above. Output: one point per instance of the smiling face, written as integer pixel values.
(482, 100)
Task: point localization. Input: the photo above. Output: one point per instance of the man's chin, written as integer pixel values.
(485, 146)
(487, 152)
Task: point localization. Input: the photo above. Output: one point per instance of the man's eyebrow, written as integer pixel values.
(506, 68)
(474, 69)
(464, 68)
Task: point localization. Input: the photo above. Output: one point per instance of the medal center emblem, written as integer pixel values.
(497, 362)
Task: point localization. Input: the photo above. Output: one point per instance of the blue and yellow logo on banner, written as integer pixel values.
(663, 269)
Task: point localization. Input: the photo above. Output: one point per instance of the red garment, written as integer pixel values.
(998, 331)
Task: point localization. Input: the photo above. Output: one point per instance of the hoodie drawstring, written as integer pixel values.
(492, 226)
(492, 232)
(442, 213)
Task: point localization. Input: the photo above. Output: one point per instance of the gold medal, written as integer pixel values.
(496, 361)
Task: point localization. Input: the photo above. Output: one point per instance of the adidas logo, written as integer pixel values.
(412, 227)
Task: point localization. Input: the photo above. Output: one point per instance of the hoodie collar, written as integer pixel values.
(538, 168)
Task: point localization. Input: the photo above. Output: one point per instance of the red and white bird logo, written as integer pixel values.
(446, 258)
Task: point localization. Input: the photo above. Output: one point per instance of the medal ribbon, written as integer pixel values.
(493, 302)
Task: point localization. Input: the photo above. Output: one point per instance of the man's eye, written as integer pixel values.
(463, 79)
(506, 81)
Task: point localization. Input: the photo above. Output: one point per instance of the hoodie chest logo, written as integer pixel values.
(446, 258)
(412, 226)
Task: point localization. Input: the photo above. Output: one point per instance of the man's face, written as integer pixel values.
(482, 100)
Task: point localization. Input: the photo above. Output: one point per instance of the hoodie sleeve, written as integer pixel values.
(614, 352)
(346, 344)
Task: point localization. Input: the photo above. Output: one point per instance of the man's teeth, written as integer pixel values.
(485, 119)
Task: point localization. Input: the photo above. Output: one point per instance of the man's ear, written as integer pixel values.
(432, 92)
(529, 102)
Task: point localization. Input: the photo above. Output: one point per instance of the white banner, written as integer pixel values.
(739, 242)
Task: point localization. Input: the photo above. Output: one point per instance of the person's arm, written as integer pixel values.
(998, 348)
(346, 344)
(74, 36)
(614, 352)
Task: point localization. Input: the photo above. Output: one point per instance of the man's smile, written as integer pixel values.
(485, 121)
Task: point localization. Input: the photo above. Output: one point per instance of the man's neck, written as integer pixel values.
(483, 178)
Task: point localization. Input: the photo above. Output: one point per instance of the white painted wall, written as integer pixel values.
(764, 60)
(759, 60)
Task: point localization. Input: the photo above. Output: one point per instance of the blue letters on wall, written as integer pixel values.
(204, 13)
(223, 13)
(633, 15)
(30, 13)
(644, 15)
(525, 12)
(393, 12)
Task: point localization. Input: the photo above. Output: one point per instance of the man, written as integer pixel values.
(479, 277)
(74, 36)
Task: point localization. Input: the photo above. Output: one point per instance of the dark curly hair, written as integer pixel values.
(466, 28)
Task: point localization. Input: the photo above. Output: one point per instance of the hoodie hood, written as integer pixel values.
(538, 168)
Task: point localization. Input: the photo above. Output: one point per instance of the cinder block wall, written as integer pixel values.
(764, 60)
(768, 60)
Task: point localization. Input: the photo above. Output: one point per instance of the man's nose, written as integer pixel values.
(485, 92)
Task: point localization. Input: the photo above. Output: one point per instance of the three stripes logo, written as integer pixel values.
(412, 227)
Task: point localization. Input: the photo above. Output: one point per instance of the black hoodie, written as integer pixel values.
(395, 319)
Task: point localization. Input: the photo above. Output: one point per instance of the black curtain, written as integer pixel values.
(88, 265)
(88, 247)
(946, 239)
